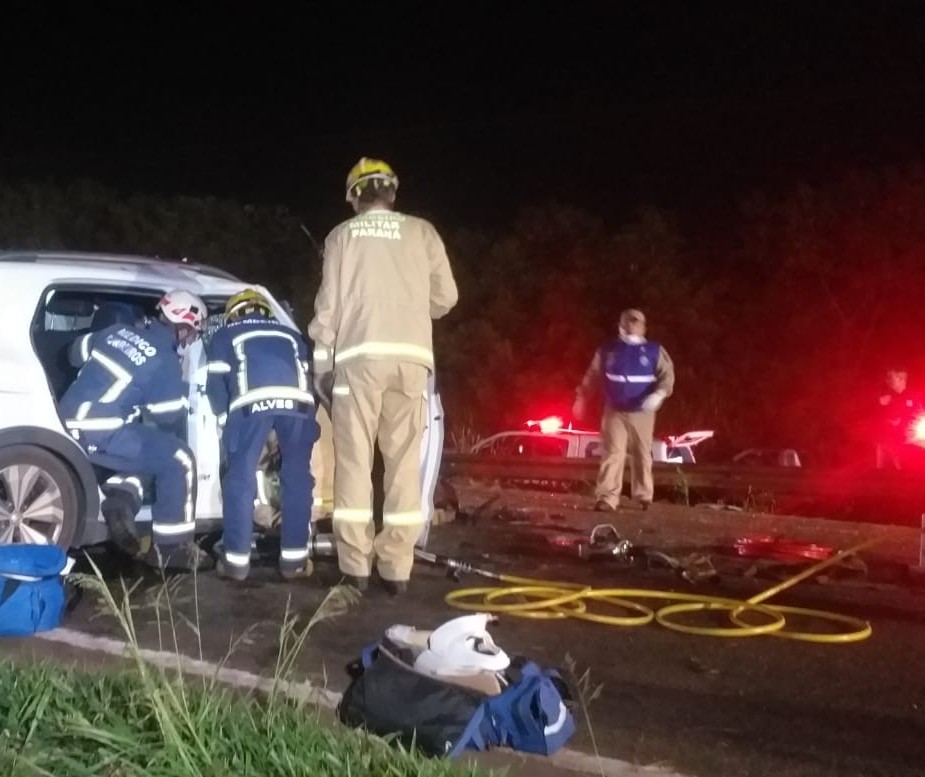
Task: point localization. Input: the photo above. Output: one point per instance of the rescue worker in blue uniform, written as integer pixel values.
(132, 373)
(108, 314)
(258, 383)
(636, 375)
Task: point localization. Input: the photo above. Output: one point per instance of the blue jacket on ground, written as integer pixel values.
(130, 370)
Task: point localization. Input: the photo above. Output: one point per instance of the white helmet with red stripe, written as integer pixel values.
(183, 307)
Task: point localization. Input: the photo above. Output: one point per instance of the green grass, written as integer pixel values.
(149, 721)
(66, 723)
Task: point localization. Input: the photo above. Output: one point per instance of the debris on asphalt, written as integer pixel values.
(782, 548)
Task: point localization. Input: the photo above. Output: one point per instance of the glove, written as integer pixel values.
(652, 402)
(324, 389)
(578, 409)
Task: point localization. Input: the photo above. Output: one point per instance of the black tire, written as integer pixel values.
(48, 474)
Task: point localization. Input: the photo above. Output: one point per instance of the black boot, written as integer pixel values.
(360, 583)
(119, 514)
(302, 571)
(395, 587)
(233, 572)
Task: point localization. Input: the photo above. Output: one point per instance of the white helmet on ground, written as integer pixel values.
(183, 308)
(462, 646)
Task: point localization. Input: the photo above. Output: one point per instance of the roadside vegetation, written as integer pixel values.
(156, 722)
(827, 273)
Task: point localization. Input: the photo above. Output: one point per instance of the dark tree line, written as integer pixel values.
(780, 326)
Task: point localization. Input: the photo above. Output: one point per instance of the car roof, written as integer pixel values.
(536, 433)
(681, 441)
(127, 268)
(540, 433)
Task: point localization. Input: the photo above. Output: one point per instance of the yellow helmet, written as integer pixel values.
(367, 170)
(245, 302)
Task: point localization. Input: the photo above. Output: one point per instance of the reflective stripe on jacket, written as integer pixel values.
(386, 276)
(256, 365)
(629, 373)
(129, 369)
(625, 385)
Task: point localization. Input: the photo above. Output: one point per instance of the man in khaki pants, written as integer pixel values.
(386, 276)
(637, 375)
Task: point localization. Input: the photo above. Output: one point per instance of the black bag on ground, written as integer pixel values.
(388, 697)
(376, 701)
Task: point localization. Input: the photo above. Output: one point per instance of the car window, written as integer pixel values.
(67, 322)
(503, 446)
(526, 445)
(683, 453)
(515, 445)
(790, 458)
(72, 310)
(211, 325)
(67, 313)
(593, 449)
(549, 447)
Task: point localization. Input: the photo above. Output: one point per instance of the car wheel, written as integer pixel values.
(38, 498)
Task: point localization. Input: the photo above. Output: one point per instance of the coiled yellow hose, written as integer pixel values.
(549, 600)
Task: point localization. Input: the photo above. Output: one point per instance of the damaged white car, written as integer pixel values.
(49, 492)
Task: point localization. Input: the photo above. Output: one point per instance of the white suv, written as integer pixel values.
(49, 492)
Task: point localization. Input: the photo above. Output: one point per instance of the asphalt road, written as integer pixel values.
(701, 705)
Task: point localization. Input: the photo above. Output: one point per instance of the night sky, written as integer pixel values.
(683, 105)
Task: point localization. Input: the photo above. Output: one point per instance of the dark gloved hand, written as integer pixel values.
(324, 389)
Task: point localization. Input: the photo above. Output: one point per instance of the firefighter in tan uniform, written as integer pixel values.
(637, 375)
(386, 276)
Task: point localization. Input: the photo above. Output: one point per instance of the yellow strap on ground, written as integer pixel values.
(552, 600)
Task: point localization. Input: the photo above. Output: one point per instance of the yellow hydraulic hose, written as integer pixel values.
(548, 600)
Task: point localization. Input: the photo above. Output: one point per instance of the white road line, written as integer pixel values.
(572, 760)
(588, 763)
(304, 691)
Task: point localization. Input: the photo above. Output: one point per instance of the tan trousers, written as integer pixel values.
(625, 434)
(322, 465)
(382, 400)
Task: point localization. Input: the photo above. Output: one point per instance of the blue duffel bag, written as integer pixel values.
(387, 696)
(32, 594)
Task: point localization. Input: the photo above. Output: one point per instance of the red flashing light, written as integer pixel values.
(918, 429)
(549, 425)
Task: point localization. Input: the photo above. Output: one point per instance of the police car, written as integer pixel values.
(551, 438)
(49, 492)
